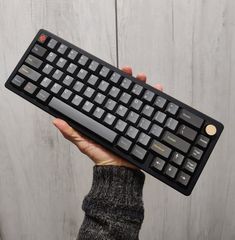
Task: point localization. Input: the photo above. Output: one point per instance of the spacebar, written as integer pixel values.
(82, 119)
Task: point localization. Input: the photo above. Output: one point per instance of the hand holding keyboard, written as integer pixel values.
(159, 134)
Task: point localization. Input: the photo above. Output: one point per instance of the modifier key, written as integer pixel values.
(190, 118)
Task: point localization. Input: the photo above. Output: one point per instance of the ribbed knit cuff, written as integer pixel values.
(116, 192)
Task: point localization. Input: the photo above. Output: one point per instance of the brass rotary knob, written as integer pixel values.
(210, 130)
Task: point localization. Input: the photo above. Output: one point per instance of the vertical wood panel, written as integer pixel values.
(187, 46)
(43, 178)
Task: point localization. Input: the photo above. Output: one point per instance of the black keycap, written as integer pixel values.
(171, 123)
(68, 80)
(202, 141)
(160, 117)
(172, 108)
(115, 77)
(29, 73)
(72, 54)
(156, 130)
(47, 69)
(137, 89)
(189, 165)
(30, 88)
(136, 104)
(110, 104)
(126, 83)
(83, 60)
(42, 95)
(62, 48)
(98, 113)
(144, 123)
(109, 119)
(143, 139)
(89, 92)
(104, 72)
(103, 86)
(99, 98)
(45, 82)
(78, 86)
(132, 132)
(66, 94)
(52, 43)
(77, 100)
(158, 164)
(177, 158)
(51, 57)
(18, 81)
(82, 74)
(114, 91)
(56, 88)
(124, 143)
(93, 66)
(196, 153)
(187, 132)
(38, 50)
(92, 80)
(132, 117)
(87, 106)
(160, 102)
(148, 96)
(33, 61)
(138, 152)
(125, 98)
(160, 148)
(61, 62)
(71, 68)
(190, 118)
(170, 171)
(121, 110)
(147, 110)
(57, 74)
(120, 125)
(176, 142)
(83, 120)
(183, 178)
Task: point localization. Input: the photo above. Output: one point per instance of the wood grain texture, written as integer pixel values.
(188, 46)
(43, 178)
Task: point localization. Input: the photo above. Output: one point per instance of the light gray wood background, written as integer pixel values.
(187, 45)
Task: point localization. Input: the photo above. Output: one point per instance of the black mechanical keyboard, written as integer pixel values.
(159, 134)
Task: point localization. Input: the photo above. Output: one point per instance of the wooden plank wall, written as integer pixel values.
(188, 46)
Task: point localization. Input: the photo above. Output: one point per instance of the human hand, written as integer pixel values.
(98, 154)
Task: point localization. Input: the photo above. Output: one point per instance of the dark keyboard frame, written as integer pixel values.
(145, 166)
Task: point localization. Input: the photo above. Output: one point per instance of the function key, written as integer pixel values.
(187, 132)
(33, 61)
(51, 57)
(196, 153)
(177, 158)
(30, 88)
(189, 165)
(148, 95)
(170, 171)
(190, 118)
(72, 54)
(39, 50)
(93, 65)
(18, 81)
(138, 152)
(160, 102)
(202, 141)
(137, 89)
(158, 164)
(171, 123)
(52, 43)
(115, 77)
(83, 60)
(62, 48)
(126, 83)
(104, 72)
(183, 178)
(172, 108)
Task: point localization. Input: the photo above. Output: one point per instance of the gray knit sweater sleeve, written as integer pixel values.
(114, 206)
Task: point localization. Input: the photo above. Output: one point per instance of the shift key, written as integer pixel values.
(160, 148)
(29, 73)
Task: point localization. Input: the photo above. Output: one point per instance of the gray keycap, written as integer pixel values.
(202, 141)
(82, 74)
(51, 57)
(121, 110)
(160, 102)
(148, 95)
(92, 80)
(57, 74)
(83, 60)
(78, 86)
(160, 148)
(170, 171)
(114, 91)
(132, 132)
(33, 61)
(136, 104)
(115, 77)
(120, 125)
(87, 106)
(52, 43)
(124, 143)
(103, 86)
(72, 54)
(38, 50)
(99, 98)
(45, 82)
(196, 153)
(190, 118)
(42, 95)
(68, 80)
(183, 178)
(144, 123)
(187, 132)
(177, 158)
(98, 113)
(147, 110)
(66, 94)
(125, 98)
(62, 48)
(189, 165)
(137, 89)
(158, 164)
(104, 71)
(30, 88)
(171, 123)
(29, 73)
(156, 130)
(138, 152)
(89, 92)
(18, 80)
(83, 120)
(71, 68)
(47, 69)
(126, 83)
(110, 104)
(77, 100)
(172, 108)
(143, 139)
(61, 62)
(160, 117)
(109, 119)
(132, 117)
(93, 66)
(56, 88)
